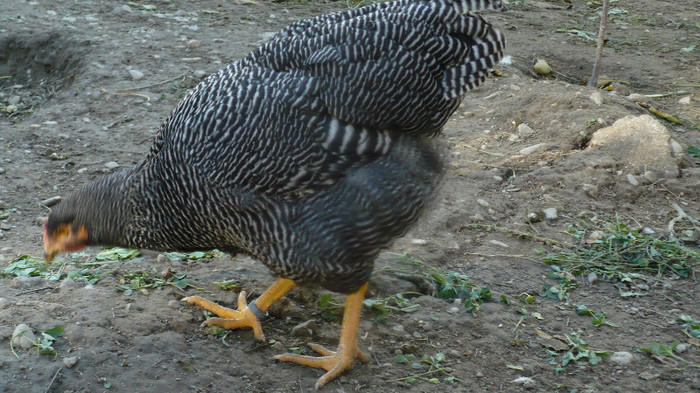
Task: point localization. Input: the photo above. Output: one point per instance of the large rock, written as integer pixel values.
(638, 143)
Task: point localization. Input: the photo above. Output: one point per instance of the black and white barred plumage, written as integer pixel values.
(312, 152)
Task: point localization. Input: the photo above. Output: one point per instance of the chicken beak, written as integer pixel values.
(48, 256)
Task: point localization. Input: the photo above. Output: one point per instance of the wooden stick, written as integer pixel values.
(601, 42)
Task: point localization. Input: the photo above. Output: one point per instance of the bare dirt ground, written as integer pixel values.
(86, 83)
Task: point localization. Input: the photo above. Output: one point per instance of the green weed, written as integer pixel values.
(619, 252)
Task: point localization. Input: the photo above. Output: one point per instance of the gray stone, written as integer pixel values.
(23, 337)
(592, 278)
(524, 129)
(632, 179)
(48, 202)
(622, 358)
(135, 74)
(550, 213)
(67, 284)
(540, 147)
(597, 98)
(112, 165)
(304, 328)
(26, 282)
(71, 361)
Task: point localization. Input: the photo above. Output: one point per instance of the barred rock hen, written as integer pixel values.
(310, 154)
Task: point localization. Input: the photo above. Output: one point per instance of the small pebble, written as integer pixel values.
(591, 190)
(51, 201)
(648, 231)
(524, 129)
(595, 236)
(23, 336)
(597, 98)
(135, 74)
(525, 381)
(174, 304)
(304, 328)
(592, 278)
(482, 202)
(2, 170)
(70, 362)
(122, 9)
(550, 213)
(453, 310)
(680, 348)
(500, 244)
(622, 358)
(477, 218)
(199, 74)
(111, 165)
(676, 148)
(534, 217)
(542, 67)
(67, 283)
(14, 100)
(540, 147)
(5, 226)
(633, 180)
(684, 101)
(636, 97)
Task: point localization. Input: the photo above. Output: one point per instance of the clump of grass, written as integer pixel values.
(397, 302)
(143, 280)
(578, 351)
(690, 324)
(451, 285)
(428, 369)
(620, 250)
(28, 266)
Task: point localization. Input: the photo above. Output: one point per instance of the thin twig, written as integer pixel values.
(153, 84)
(53, 379)
(126, 93)
(33, 290)
(502, 256)
(479, 150)
(519, 233)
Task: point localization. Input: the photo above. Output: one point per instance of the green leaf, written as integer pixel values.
(56, 331)
(693, 151)
(514, 367)
(117, 253)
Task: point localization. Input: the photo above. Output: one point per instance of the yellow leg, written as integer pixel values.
(340, 360)
(245, 316)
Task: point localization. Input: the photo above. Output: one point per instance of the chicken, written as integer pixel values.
(311, 154)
